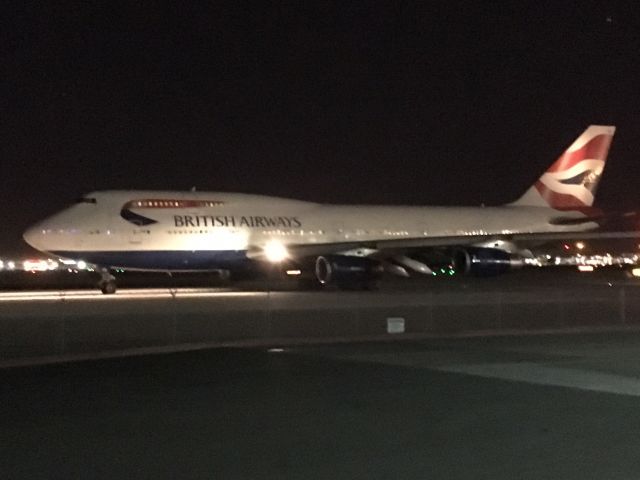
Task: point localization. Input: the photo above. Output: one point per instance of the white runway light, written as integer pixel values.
(275, 251)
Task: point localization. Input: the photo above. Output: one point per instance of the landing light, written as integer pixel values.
(81, 264)
(275, 251)
(39, 265)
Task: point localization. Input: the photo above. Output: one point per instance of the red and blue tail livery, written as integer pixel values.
(571, 182)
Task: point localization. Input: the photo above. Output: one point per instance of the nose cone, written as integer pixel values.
(33, 236)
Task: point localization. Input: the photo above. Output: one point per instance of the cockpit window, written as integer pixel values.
(86, 200)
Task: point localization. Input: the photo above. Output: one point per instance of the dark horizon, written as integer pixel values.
(444, 103)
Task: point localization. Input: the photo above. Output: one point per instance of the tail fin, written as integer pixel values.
(571, 182)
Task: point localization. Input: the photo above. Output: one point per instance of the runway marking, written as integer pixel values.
(534, 373)
(65, 295)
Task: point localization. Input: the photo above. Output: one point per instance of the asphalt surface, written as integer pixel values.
(555, 276)
(562, 406)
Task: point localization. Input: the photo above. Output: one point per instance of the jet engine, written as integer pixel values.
(485, 262)
(347, 272)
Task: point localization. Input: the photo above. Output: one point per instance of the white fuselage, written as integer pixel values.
(113, 227)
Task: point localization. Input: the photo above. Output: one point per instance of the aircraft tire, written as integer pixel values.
(108, 288)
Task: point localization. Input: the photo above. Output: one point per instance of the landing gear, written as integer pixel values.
(107, 283)
(108, 288)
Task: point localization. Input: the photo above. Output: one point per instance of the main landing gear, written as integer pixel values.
(107, 283)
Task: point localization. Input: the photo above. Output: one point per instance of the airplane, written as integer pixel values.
(348, 246)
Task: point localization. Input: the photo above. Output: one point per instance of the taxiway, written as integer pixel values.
(550, 406)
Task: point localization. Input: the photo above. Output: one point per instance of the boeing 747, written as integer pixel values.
(345, 245)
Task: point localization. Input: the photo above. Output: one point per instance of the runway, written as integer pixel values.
(416, 380)
(124, 294)
(137, 285)
(493, 407)
(60, 325)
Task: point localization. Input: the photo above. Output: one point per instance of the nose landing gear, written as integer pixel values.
(107, 283)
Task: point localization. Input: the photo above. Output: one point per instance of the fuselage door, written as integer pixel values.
(137, 236)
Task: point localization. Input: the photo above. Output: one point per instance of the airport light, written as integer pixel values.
(275, 251)
(635, 272)
(81, 264)
(35, 266)
(11, 265)
(580, 245)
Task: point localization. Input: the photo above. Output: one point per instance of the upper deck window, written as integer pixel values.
(171, 203)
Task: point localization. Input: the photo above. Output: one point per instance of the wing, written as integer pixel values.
(393, 246)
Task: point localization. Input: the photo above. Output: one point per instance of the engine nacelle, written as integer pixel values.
(485, 262)
(347, 271)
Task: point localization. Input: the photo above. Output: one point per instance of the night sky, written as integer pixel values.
(445, 103)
